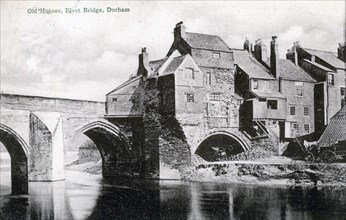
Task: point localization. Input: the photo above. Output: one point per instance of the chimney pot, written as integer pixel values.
(143, 63)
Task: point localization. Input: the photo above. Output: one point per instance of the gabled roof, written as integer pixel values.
(327, 56)
(174, 64)
(336, 130)
(290, 71)
(250, 65)
(318, 65)
(206, 41)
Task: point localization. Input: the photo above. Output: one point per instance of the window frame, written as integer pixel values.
(213, 97)
(190, 74)
(254, 84)
(216, 55)
(306, 115)
(273, 100)
(295, 110)
(304, 129)
(208, 78)
(331, 79)
(190, 97)
(299, 89)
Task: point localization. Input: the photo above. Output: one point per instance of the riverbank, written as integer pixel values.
(270, 171)
(271, 174)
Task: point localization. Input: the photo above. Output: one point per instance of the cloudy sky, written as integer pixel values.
(84, 56)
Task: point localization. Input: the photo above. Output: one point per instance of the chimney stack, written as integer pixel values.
(143, 63)
(260, 51)
(292, 54)
(274, 57)
(179, 31)
(342, 51)
(247, 45)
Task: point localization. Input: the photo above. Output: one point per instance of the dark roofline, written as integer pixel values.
(47, 97)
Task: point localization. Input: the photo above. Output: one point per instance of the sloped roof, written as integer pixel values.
(290, 71)
(267, 94)
(174, 64)
(156, 64)
(327, 56)
(336, 130)
(318, 65)
(250, 65)
(126, 86)
(206, 41)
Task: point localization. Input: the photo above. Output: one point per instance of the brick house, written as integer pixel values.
(329, 70)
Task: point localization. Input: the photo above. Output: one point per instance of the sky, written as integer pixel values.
(86, 55)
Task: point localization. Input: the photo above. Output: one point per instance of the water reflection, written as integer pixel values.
(83, 196)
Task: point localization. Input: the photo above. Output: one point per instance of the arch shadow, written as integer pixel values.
(18, 150)
(113, 145)
(220, 145)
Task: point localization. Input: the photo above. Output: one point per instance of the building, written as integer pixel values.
(182, 107)
(203, 100)
(329, 70)
(278, 95)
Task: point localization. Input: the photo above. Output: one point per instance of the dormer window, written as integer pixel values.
(188, 73)
(216, 55)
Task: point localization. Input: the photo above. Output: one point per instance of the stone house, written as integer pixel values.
(329, 70)
(180, 106)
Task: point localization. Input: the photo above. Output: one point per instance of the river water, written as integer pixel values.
(86, 196)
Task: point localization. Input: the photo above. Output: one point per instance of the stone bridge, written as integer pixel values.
(36, 131)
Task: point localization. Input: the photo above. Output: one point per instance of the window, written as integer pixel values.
(114, 99)
(215, 97)
(216, 55)
(343, 91)
(208, 78)
(299, 88)
(188, 73)
(343, 96)
(254, 84)
(295, 129)
(331, 79)
(306, 111)
(306, 128)
(292, 110)
(262, 99)
(190, 98)
(272, 104)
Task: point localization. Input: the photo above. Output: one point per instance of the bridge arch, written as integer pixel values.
(217, 144)
(113, 145)
(18, 150)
